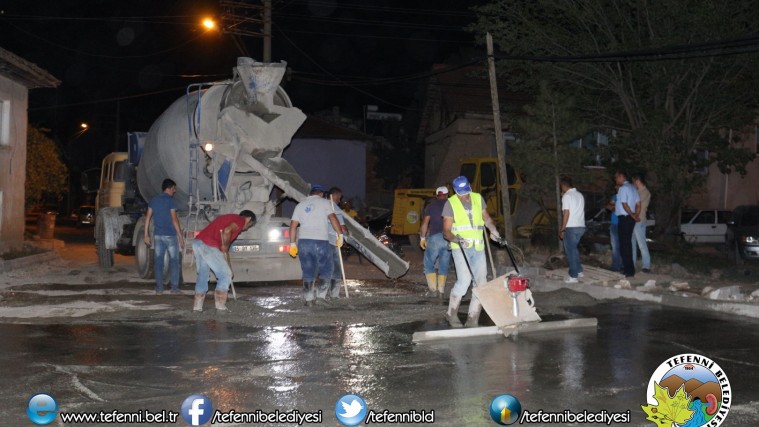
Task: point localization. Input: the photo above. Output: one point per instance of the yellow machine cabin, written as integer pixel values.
(482, 173)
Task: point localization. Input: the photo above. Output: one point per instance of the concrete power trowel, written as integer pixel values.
(507, 299)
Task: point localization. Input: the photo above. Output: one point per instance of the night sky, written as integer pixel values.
(121, 63)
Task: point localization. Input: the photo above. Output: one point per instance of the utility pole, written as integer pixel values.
(503, 181)
(241, 18)
(267, 30)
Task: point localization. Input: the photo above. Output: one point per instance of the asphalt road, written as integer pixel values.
(154, 364)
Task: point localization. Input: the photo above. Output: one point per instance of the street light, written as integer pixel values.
(83, 128)
(209, 23)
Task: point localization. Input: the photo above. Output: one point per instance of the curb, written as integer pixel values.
(26, 261)
(694, 303)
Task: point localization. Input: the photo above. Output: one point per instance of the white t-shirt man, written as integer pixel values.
(312, 215)
(574, 202)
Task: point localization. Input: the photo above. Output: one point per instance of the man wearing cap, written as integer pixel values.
(434, 244)
(311, 242)
(465, 217)
(336, 280)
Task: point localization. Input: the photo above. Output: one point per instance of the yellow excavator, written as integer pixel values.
(483, 175)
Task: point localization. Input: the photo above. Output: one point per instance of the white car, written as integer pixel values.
(705, 225)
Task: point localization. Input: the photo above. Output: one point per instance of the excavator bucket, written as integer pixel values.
(283, 175)
(506, 308)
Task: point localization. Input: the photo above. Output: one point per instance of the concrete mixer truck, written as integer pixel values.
(222, 144)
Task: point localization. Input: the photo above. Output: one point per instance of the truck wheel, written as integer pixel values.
(105, 256)
(143, 255)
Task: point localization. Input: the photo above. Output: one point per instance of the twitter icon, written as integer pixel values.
(350, 410)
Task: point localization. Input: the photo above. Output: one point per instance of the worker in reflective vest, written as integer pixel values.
(464, 221)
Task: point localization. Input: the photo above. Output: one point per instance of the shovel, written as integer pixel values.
(340, 256)
(229, 262)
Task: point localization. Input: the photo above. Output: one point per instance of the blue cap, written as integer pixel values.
(317, 187)
(461, 186)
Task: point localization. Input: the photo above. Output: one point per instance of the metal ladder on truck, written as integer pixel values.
(195, 204)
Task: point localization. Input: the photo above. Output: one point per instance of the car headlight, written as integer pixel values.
(749, 239)
(274, 234)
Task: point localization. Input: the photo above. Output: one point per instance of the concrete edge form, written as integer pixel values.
(552, 326)
(13, 264)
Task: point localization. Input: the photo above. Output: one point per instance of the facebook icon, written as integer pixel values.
(197, 410)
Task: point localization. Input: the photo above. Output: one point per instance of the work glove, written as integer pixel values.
(293, 250)
(423, 243)
(464, 243)
(339, 242)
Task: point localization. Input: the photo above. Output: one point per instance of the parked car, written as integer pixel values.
(743, 233)
(83, 215)
(704, 225)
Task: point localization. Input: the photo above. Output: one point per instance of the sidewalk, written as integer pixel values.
(680, 289)
(676, 288)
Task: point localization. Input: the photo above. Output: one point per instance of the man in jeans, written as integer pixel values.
(167, 235)
(209, 248)
(572, 226)
(434, 244)
(310, 239)
(639, 232)
(334, 195)
(627, 210)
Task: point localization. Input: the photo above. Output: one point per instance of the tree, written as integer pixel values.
(668, 104)
(46, 175)
(543, 150)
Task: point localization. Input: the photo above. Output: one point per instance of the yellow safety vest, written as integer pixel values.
(461, 225)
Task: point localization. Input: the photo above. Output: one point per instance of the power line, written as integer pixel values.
(337, 78)
(359, 21)
(94, 55)
(370, 8)
(368, 36)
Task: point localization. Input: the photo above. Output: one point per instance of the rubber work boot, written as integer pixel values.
(220, 298)
(452, 315)
(431, 284)
(322, 290)
(198, 304)
(308, 290)
(334, 288)
(473, 316)
(440, 286)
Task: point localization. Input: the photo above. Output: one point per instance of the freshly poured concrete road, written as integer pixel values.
(110, 365)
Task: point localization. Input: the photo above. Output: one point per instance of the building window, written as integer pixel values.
(5, 122)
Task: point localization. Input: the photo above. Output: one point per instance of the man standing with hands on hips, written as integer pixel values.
(465, 218)
(627, 209)
(572, 226)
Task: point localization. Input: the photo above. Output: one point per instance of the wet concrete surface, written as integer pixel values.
(130, 364)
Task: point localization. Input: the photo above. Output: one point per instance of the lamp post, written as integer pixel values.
(83, 127)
